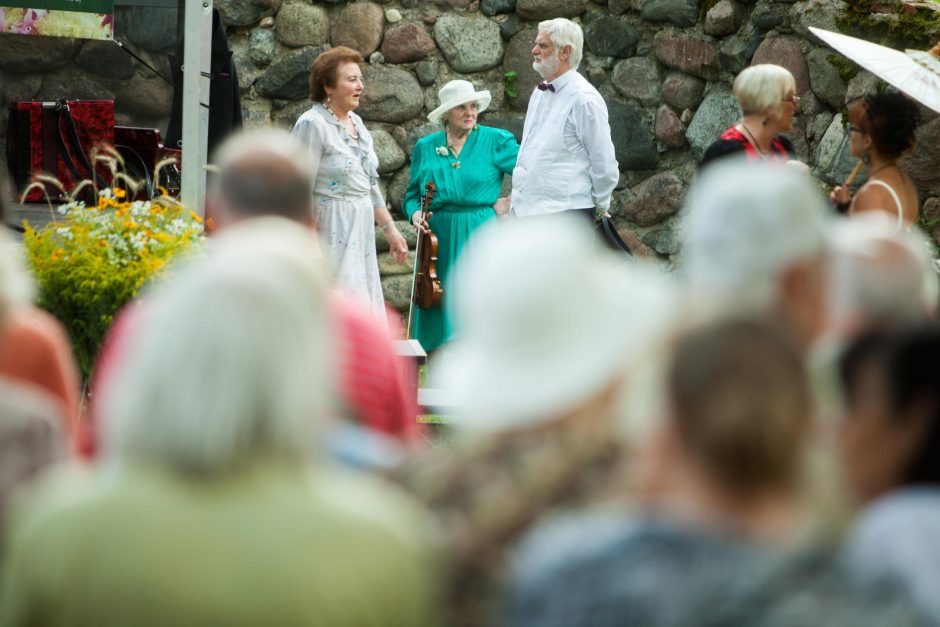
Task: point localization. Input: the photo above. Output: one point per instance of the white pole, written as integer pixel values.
(197, 45)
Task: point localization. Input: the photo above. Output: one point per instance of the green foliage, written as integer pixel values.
(847, 69)
(509, 84)
(92, 261)
(908, 26)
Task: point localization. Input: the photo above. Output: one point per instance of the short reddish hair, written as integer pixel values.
(324, 69)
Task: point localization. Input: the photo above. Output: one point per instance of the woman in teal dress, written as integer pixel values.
(467, 163)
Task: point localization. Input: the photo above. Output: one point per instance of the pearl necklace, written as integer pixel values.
(354, 133)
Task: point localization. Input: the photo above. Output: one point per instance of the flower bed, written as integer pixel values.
(90, 261)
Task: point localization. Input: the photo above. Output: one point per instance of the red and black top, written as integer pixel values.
(734, 141)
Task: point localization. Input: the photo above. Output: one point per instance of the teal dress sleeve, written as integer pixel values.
(505, 151)
(411, 203)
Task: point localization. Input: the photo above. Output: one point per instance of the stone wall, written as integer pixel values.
(663, 66)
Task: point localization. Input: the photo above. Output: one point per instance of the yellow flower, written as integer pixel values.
(119, 193)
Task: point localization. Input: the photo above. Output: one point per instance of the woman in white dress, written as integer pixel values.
(346, 193)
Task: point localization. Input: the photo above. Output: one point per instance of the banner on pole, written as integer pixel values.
(86, 19)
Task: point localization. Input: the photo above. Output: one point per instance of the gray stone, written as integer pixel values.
(247, 72)
(261, 46)
(619, 7)
(286, 116)
(722, 19)
(376, 58)
(239, 12)
(397, 291)
(824, 77)
(509, 27)
(407, 43)
(393, 16)
(512, 122)
(397, 187)
(664, 241)
(104, 59)
(391, 94)
(492, 7)
(766, 15)
(687, 53)
(518, 59)
(299, 24)
(638, 78)
(14, 88)
(427, 71)
(35, 54)
(256, 113)
(736, 52)
(682, 91)
(78, 86)
(669, 129)
(391, 156)
(610, 37)
(921, 163)
(548, 9)
(786, 52)
(824, 14)
(359, 26)
(289, 76)
(152, 28)
(654, 200)
(817, 127)
(470, 44)
(417, 133)
(429, 14)
(931, 216)
(677, 12)
(388, 267)
(145, 95)
(718, 111)
(634, 143)
(834, 160)
(862, 84)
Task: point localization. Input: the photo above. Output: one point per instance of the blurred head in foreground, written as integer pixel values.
(232, 363)
(261, 172)
(754, 243)
(737, 425)
(890, 437)
(531, 301)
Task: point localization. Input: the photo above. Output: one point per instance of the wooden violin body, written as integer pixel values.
(427, 287)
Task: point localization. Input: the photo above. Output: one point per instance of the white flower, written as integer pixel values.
(441, 150)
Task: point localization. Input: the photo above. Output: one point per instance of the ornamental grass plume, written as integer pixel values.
(91, 261)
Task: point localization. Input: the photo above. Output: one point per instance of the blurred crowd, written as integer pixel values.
(753, 439)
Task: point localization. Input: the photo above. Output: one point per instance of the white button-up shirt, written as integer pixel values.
(566, 160)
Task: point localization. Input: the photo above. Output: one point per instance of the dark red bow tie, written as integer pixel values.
(543, 86)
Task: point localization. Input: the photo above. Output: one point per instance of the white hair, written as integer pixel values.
(746, 223)
(231, 363)
(565, 33)
(879, 274)
(761, 88)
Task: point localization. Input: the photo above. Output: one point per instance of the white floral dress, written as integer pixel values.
(345, 194)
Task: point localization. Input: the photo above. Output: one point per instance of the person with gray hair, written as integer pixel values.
(768, 99)
(211, 468)
(566, 159)
(754, 242)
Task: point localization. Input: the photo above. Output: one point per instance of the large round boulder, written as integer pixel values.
(470, 44)
(359, 26)
(391, 95)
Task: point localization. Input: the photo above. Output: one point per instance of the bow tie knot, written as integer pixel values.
(543, 86)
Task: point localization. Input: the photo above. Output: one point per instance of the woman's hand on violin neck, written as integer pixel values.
(420, 222)
(397, 246)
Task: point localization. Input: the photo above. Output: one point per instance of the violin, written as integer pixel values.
(426, 288)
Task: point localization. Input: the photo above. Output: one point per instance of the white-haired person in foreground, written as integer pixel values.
(566, 159)
(754, 242)
(210, 507)
(535, 380)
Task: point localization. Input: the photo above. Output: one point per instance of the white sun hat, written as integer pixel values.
(456, 93)
(546, 319)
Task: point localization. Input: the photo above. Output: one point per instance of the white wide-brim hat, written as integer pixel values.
(456, 93)
(546, 319)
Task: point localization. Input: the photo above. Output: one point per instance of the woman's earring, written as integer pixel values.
(329, 98)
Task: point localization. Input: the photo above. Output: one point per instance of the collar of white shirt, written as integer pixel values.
(560, 82)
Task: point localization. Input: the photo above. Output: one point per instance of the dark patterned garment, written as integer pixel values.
(488, 493)
(734, 142)
(608, 570)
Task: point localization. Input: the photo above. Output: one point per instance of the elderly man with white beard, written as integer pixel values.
(566, 160)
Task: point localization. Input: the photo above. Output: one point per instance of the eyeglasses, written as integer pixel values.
(853, 129)
(794, 99)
